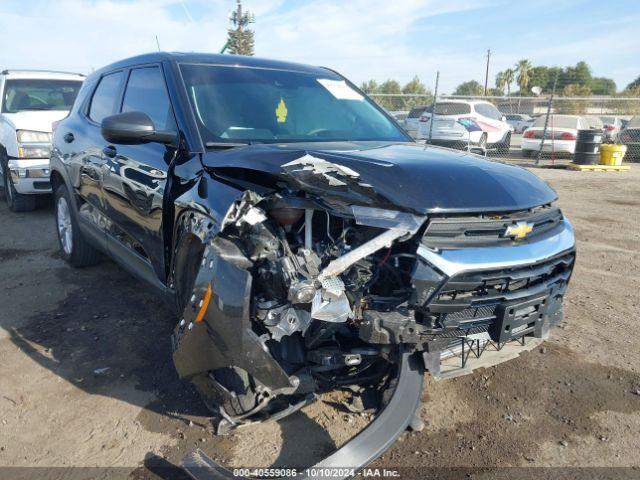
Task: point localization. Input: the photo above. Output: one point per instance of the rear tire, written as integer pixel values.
(17, 202)
(74, 247)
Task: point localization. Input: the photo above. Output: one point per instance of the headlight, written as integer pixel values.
(33, 144)
(29, 136)
(28, 151)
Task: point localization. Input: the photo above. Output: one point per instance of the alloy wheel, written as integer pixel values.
(65, 229)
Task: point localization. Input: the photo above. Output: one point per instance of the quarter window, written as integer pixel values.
(146, 92)
(488, 110)
(104, 98)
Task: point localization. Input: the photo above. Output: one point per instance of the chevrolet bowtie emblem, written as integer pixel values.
(519, 230)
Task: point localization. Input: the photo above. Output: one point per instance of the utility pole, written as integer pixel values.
(486, 75)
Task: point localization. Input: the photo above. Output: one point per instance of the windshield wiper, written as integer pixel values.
(225, 145)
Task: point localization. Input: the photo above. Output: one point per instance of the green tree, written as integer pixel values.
(574, 107)
(470, 88)
(523, 69)
(240, 38)
(634, 84)
(509, 77)
(540, 76)
(501, 83)
(416, 87)
(391, 103)
(603, 86)
(578, 75)
(370, 86)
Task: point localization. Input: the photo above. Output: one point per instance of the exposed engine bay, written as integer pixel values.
(299, 292)
(315, 275)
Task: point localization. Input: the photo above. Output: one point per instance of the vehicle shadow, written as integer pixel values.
(111, 336)
(108, 334)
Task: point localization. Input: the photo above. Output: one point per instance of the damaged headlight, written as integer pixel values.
(391, 219)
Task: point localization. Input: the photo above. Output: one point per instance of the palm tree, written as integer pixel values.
(500, 83)
(523, 67)
(509, 76)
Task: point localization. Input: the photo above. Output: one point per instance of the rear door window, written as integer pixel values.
(146, 92)
(452, 108)
(488, 111)
(105, 97)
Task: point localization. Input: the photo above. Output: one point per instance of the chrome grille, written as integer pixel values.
(488, 229)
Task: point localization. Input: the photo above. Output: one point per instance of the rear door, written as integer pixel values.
(82, 145)
(492, 118)
(135, 175)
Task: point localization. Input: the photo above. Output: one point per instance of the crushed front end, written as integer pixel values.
(303, 289)
(294, 297)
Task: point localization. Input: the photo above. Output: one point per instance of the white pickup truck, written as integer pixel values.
(31, 102)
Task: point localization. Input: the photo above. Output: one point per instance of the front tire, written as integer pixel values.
(74, 247)
(17, 202)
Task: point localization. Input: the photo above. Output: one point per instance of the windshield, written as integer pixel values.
(242, 104)
(39, 94)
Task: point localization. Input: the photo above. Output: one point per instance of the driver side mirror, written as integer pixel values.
(131, 128)
(504, 119)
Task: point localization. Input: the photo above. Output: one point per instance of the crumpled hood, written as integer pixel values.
(36, 120)
(405, 176)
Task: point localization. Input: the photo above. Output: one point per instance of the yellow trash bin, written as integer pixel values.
(611, 154)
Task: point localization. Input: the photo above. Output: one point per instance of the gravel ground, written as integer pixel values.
(87, 378)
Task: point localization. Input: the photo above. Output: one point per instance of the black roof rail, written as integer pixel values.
(24, 70)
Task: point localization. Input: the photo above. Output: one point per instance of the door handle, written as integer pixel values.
(69, 137)
(110, 151)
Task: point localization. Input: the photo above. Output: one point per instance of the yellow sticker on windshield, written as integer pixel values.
(281, 112)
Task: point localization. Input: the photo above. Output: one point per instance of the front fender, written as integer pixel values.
(215, 330)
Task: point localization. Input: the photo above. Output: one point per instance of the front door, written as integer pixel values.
(135, 176)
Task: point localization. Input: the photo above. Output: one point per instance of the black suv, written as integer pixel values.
(305, 240)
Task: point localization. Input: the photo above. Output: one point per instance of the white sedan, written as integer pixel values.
(562, 132)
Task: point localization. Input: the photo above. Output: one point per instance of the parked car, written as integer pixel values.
(519, 121)
(630, 136)
(31, 102)
(612, 126)
(449, 131)
(306, 242)
(412, 120)
(593, 122)
(562, 132)
(400, 116)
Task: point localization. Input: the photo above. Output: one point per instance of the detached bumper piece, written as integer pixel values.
(356, 454)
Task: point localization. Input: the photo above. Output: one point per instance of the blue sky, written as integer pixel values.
(362, 39)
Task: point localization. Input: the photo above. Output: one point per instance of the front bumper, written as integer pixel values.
(480, 294)
(30, 176)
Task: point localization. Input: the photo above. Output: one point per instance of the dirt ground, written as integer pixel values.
(87, 378)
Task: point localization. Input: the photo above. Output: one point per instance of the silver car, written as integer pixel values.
(519, 121)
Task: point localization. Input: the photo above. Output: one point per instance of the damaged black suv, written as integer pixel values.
(305, 240)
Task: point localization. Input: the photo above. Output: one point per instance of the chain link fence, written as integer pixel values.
(512, 126)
